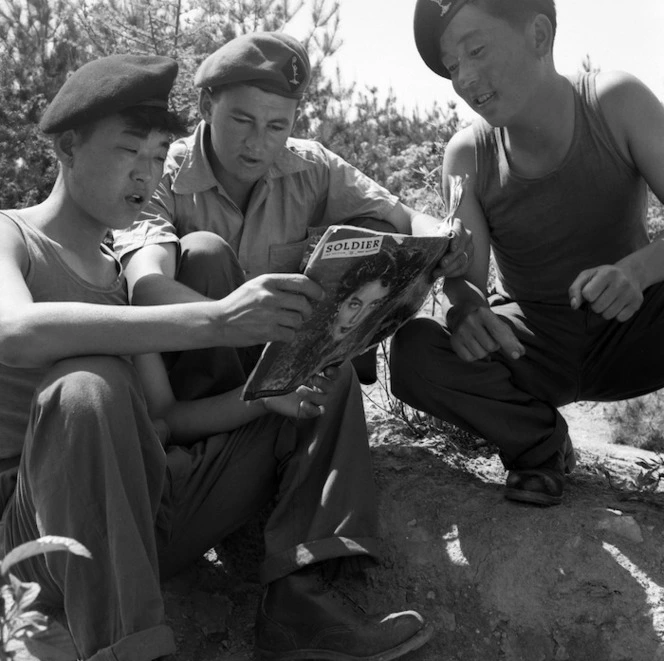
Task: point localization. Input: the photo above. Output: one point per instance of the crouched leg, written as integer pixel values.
(93, 469)
(326, 513)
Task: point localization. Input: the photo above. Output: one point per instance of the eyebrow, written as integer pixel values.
(466, 37)
(244, 113)
(141, 135)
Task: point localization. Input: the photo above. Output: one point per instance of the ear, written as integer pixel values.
(64, 145)
(298, 114)
(542, 34)
(205, 104)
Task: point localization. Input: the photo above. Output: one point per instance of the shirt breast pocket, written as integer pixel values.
(288, 257)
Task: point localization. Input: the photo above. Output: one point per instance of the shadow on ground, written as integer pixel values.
(500, 581)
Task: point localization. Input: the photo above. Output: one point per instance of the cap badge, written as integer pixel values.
(294, 80)
(444, 5)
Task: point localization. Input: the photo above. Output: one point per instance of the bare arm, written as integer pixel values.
(38, 333)
(636, 118)
(476, 330)
(460, 255)
(150, 273)
(189, 421)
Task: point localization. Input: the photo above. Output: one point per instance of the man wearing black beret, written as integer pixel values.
(95, 448)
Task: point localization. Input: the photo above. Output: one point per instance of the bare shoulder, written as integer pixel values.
(13, 250)
(10, 234)
(459, 158)
(621, 92)
(461, 148)
(460, 161)
(628, 105)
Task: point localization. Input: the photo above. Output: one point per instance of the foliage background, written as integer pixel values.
(42, 40)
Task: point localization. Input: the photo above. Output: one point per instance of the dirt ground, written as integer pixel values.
(212, 607)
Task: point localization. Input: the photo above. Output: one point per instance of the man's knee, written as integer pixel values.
(412, 346)
(75, 388)
(92, 410)
(209, 265)
(206, 245)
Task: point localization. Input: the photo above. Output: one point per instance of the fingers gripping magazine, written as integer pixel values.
(374, 282)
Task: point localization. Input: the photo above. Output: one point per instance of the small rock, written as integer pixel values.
(574, 542)
(561, 654)
(625, 526)
(448, 620)
(419, 536)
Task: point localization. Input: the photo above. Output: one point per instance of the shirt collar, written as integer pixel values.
(195, 172)
(292, 159)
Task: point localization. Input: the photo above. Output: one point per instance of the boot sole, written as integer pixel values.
(532, 497)
(410, 645)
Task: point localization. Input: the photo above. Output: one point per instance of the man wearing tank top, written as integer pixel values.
(97, 444)
(557, 170)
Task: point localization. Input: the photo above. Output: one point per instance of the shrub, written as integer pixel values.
(639, 422)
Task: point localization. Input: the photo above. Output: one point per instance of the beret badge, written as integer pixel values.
(444, 5)
(291, 71)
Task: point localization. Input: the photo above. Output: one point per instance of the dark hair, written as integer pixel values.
(145, 119)
(382, 268)
(518, 12)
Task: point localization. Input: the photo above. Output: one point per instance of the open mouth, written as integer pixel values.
(136, 199)
(481, 100)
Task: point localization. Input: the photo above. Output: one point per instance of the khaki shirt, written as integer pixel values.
(307, 187)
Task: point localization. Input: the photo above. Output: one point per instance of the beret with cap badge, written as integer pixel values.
(272, 61)
(431, 18)
(107, 86)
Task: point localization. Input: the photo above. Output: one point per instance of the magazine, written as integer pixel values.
(374, 282)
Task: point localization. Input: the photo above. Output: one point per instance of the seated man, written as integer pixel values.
(557, 171)
(241, 176)
(93, 450)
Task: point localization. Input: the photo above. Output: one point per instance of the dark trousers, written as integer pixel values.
(570, 356)
(93, 469)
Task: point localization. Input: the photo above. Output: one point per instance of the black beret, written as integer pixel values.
(108, 85)
(431, 18)
(272, 61)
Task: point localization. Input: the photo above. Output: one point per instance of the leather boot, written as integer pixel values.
(302, 616)
(543, 485)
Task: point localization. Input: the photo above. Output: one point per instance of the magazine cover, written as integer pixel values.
(374, 282)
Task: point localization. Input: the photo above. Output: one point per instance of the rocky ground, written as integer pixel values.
(583, 581)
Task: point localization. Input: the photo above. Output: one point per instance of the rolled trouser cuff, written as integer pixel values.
(308, 553)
